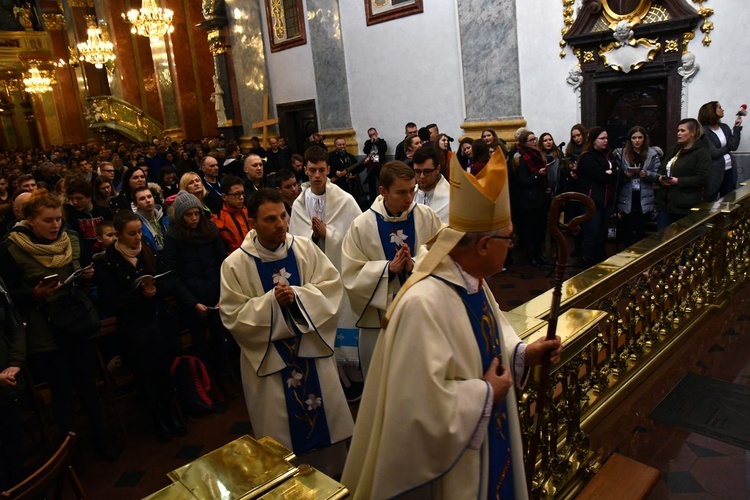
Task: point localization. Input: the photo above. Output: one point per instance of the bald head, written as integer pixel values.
(19, 202)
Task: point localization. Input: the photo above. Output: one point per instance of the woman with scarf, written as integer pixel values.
(194, 252)
(532, 198)
(143, 321)
(597, 178)
(36, 259)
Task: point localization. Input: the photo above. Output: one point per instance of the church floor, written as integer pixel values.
(691, 465)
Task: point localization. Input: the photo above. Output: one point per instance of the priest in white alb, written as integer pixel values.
(377, 253)
(433, 189)
(323, 213)
(280, 298)
(438, 417)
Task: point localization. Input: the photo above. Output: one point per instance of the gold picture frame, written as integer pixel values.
(380, 11)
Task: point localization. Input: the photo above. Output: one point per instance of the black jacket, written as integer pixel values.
(12, 345)
(693, 171)
(593, 179)
(196, 267)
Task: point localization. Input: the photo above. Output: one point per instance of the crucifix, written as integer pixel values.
(266, 122)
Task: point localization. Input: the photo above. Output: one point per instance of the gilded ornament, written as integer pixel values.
(54, 22)
(671, 46)
(588, 56)
(708, 26)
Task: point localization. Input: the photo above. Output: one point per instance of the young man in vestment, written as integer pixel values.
(280, 298)
(438, 417)
(377, 252)
(324, 212)
(433, 189)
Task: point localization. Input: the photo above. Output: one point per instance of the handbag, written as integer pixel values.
(71, 315)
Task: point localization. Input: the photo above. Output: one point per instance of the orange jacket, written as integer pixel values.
(233, 225)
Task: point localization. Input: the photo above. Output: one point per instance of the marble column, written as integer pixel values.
(161, 54)
(489, 55)
(329, 63)
(249, 60)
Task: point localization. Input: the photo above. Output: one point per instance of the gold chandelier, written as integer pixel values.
(35, 82)
(96, 49)
(151, 20)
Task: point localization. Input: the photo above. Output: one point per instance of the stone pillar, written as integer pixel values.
(161, 53)
(215, 25)
(489, 56)
(249, 60)
(329, 62)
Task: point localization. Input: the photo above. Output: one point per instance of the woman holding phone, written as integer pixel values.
(39, 256)
(639, 168)
(685, 174)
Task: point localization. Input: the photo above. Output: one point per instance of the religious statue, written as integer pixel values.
(689, 67)
(575, 77)
(23, 14)
(218, 99)
(623, 32)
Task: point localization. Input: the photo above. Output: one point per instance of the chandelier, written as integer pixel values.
(151, 21)
(96, 50)
(35, 83)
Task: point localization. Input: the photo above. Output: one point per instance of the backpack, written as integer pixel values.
(192, 384)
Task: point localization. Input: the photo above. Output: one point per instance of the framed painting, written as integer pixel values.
(286, 24)
(380, 11)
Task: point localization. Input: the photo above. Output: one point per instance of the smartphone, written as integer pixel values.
(52, 279)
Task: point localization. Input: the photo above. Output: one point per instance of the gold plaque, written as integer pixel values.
(241, 469)
(309, 484)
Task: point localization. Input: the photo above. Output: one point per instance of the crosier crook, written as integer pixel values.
(573, 227)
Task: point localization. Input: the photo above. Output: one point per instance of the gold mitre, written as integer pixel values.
(482, 203)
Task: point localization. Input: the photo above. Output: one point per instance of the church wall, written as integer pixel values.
(550, 105)
(403, 70)
(723, 74)
(290, 71)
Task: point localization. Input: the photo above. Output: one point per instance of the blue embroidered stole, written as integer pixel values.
(486, 332)
(308, 426)
(392, 234)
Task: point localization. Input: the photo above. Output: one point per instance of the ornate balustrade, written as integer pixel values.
(121, 116)
(620, 319)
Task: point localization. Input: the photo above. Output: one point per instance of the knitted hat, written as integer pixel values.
(184, 202)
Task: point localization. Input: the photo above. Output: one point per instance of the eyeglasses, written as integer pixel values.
(513, 238)
(533, 139)
(425, 172)
(239, 195)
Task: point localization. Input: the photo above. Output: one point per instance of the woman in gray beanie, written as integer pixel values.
(194, 252)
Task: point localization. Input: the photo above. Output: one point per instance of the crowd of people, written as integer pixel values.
(195, 236)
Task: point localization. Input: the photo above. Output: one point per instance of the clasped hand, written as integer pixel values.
(402, 260)
(284, 295)
(318, 228)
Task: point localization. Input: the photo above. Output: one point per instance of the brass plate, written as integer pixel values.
(241, 469)
(309, 484)
(277, 448)
(524, 325)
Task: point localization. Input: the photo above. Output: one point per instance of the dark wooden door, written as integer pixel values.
(621, 105)
(297, 121)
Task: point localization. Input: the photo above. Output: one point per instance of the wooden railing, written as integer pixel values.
(620, 320)
(115, 114)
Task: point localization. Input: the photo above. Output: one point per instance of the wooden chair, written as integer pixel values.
(51, 474)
